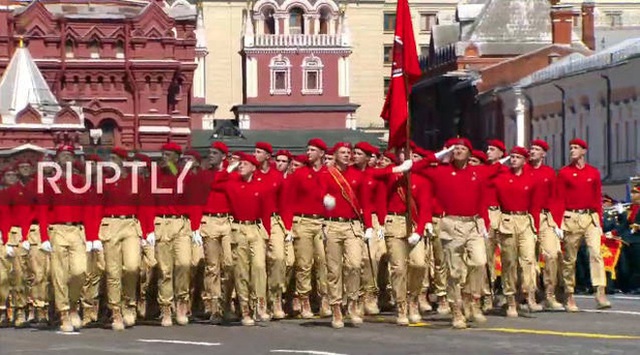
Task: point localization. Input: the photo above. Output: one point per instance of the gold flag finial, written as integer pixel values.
(20, 42)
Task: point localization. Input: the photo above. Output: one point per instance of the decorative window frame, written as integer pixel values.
(312, 64)
(280, 64)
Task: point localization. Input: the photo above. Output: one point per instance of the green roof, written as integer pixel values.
(292, 140)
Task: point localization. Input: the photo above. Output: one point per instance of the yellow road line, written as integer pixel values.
(563, 334)
(420, 324)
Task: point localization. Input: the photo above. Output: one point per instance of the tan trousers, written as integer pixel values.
(579, 226)
(551, 252)
(517, 251)
(378, 249)
(17, 269)
(216, 237)
(280, 257)
(38, 267)
(344, 248)
(407, 262)
(249, 262)
(173, 253)
(309, 252)
(68, 264)
(147, 266)
(121, 241)
(465, 255)
(95, 270)
(489, 274)
(5, 268)
(436, 272)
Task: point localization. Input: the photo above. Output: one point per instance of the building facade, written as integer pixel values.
(128, 65)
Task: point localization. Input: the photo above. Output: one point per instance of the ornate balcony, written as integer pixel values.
(300, 40)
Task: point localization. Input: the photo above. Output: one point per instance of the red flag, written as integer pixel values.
(405, 63)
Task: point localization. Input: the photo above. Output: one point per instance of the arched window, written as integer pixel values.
(68, 48)
(280, 68)
(119, 49)
(296, 21)
(312, 75)
(94, 49)
(269, 21)
(325, 17)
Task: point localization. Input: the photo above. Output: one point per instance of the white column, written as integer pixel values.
(520, 111)
(199, 77)
(252, 76)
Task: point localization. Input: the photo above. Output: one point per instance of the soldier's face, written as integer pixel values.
(373, 161)
(314, 154)
(169, 157)
(473, 161)
(343, 155)
(245, 168)
(261, 155)
(25, 170)
(215, 157)
(536, 153)
(461, 153)
(65, 158)
(234, 159)
(282, 163)
(635, 197)
(329, 160)
(384, 162)
(517, 161)
(187, 158)
(114, 158)
(359, 157)
(296, 165)
(494, 154)
(10, 178)
(576, 152)
(416, 157)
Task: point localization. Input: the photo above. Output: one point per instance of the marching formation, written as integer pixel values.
(270, 235)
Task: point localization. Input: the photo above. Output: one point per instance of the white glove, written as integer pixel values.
(46, 246)
(26, 245)
(329, 202)
(429, 228)
(89, 246)
(381, 233)
(196, 238)
(151, 238)
(10, 252)
(288, 237)
(414, 239)
(505, 160)
(368, 234)
(232, 167)
(620, 208)
(404, 167)
(559, 233)
(143, 242)
(443, 153)
(97, 245)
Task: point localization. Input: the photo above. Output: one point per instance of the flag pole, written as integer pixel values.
(407, 153)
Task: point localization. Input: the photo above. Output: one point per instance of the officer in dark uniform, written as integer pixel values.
(629, 230)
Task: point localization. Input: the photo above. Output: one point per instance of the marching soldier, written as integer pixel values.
(579, 190)
(348, 207)
(549, 233)
(629, 230)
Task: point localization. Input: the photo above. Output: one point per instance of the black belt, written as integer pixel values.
(516, 213)
(172, 215)
(340, 219)
(584, 210)
(216, 214)
(256, 222)
(121, 216)
(309, 215)
(545, 210)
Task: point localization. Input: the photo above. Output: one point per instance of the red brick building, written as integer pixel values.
(127, 65)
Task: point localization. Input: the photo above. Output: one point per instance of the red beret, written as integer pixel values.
(331, 151)
(318, 143)
(194, 154)
(121, 152)
(341, 145)
(429, 155)
(497, 143)
(221, 147)
(9, 169)
(420, 151)
(391, 156)
(520, 151)
(172, 147)
(480, 155)
(265, 146)
(142, 157)
(94, 157)
(286, 153)
(450, 142)
(301, 158)
(366, 147)
(462, 141)
(580, 142)
(237, 154)
(249, 158)
(65, 148)
(540, 143)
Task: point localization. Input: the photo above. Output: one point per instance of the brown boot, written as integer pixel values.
(263, 315)
(325, 307)
(306, 312)
(215, 316)
(371, 304)
(571, 305)
(181, 313)
(117, 322)
(512, 307)
(142, 308)
(296, 307)
(458, 321)
(247, 320)
(402, 318)
(414, 310)
(443, 306)
(352, 310)
(89, 315)
(423, 302)
(76, 322)
(336, 321)
(532, 304)
(487, 304)
(4, 320)
(601, 298)
(20, 319)
(551, 304)
(129, 316)
(65, 322)
(165, 313)
(278, 313)
(476, 311)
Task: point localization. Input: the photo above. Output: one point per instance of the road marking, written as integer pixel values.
(611, 311)
(563, 334)
(311, 352)
(615, 297)
(420, 324)
(67, 333)
(181, 342)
